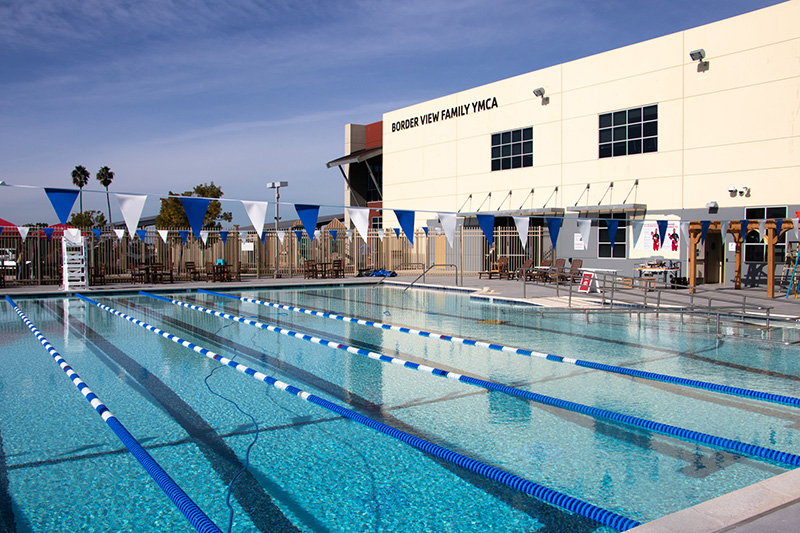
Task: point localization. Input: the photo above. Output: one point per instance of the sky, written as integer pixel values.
(174, 93)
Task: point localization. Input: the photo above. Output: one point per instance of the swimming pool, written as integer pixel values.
(312, 470)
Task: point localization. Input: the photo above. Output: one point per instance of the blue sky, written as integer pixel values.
(170, 94)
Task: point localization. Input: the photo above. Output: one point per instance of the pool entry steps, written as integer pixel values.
(182, 501)
(550, 496)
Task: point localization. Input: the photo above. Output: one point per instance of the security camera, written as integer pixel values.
(732, 190)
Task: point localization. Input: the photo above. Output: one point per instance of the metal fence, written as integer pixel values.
(38, 259)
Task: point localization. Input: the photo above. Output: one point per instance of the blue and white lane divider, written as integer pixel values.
(550, 496)
(715, 387)
(595, 412)
(182, 501)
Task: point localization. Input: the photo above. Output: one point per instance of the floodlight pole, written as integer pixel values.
(277, 186)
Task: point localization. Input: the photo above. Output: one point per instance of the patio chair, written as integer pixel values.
(574, 273)
(98, 274)
(191, 271)
(138, 274)
(557, 272)
(210, 276)
(337, 268)
(310, 269)
(541, 273)
(498, 269)
(521, 270)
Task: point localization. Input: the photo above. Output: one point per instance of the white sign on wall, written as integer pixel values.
(579, 244)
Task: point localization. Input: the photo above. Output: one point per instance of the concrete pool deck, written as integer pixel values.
(771, 505)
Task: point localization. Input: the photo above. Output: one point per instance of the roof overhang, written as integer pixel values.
(359, 156)
(606, 208)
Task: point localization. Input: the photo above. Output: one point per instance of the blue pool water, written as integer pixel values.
(311, 470)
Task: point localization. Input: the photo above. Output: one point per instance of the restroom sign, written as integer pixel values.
(586, 282)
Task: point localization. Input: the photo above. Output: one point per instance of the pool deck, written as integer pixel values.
(772, 505)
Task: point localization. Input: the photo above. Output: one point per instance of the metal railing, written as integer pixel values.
(436, 265)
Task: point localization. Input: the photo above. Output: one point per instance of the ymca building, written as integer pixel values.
(700, 128)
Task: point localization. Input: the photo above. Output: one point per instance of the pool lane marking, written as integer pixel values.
(182, 501)
(654, 376)
(547, 495)
(730, 445)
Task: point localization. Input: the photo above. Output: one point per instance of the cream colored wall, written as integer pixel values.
(736, 125)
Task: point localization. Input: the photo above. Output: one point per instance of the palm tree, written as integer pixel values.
(105, 176)
(80, 177)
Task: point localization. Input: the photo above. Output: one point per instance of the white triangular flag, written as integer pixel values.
(243, 235)
(585, 229)
(522, 224)
(257, 211)
(120, 233)
(796, 224)
(349, 235)
(360, 218)
(762, 232)
(723, 228)
(72, 235)
(448, 221)
(381, 234)
(163, 233)
(131, 206)
(23, 231)
(204, 236)
(281, 235)
(685, 232)
(636, 227)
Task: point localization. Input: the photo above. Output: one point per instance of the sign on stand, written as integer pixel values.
(586, 282)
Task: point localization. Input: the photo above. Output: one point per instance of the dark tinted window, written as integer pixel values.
(638, 125)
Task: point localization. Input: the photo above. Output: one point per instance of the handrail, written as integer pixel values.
(431, 267)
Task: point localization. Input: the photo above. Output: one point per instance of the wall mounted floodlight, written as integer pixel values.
(699, 55)
(712, 205)
(540, 93)
(744, 191)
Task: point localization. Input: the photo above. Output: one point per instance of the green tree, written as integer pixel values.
(172, 214)
(87, 219)
(105, 176)
(80, 177)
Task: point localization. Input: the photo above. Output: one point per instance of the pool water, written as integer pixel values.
(311, 470)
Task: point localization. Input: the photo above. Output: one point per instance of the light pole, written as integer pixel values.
(277, 186)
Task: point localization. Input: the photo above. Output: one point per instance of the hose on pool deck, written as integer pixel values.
(550, 496)
(674, 431)
(654, 376)
(182, 501)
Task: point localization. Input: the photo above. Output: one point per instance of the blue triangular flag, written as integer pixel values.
(778, 227)
(308, 217)
(263, 236)
(704, 225)
(141, 233)
(299, 234)
(224, 236)
(97, 232)
(196, 212)
(1, 230)
(744, 224)
(406, 220)
(425, 229)
(662, 231)
(48, 232)
(397, 232)
(487, 225)
(612, 226)
(183, 233)
(62, 201)
(553, 226)
(333, 234)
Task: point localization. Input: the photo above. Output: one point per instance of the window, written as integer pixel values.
(628, 132)
(755, 249)
(620, 250)
(377, 223)
(512, 149)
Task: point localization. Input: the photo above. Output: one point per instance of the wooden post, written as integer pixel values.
(737, 237)
(694, 238)
(771, 239)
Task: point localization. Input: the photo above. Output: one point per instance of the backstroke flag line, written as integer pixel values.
(522, 224)
(448, 221)
(62, 201)
(360, 218)
(257, 211)
(406, 220)
(308, 217)
(196, 212)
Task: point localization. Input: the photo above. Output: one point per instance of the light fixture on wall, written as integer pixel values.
(540, 93)
(744, 191)
(712, 205)
(699, 55)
